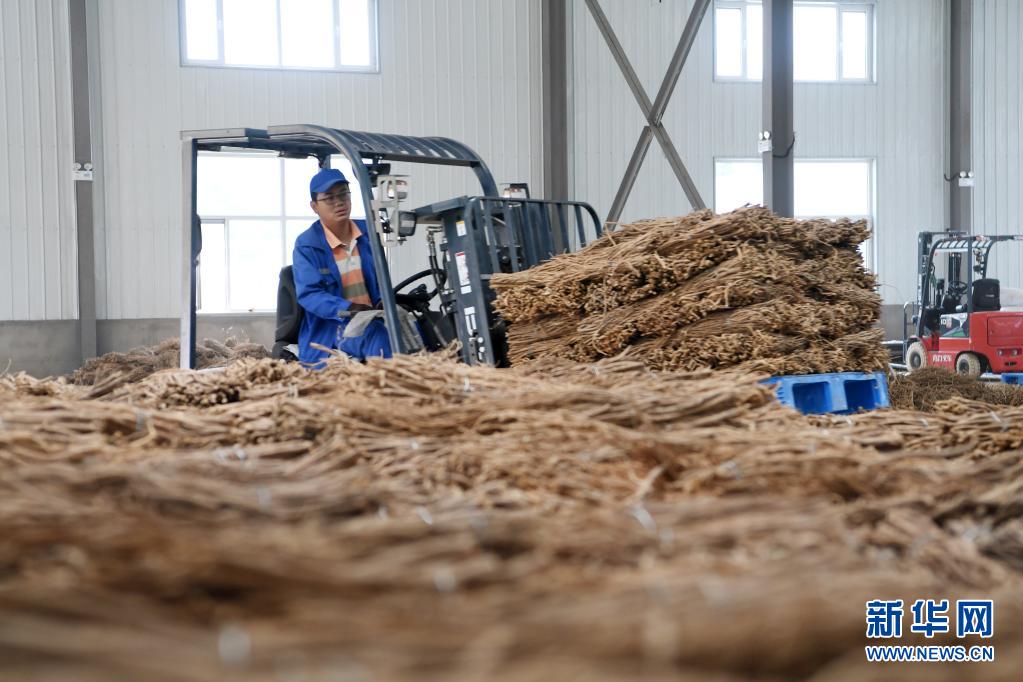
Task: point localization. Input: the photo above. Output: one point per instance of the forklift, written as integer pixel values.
(468, 238)
(961, 319)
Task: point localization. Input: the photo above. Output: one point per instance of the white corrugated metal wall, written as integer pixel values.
(998, 129)
(998, 115)
(458, 68)
(899, 121)
(38, 262)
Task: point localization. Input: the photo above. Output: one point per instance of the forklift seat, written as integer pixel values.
(289, 316)
(986, 295)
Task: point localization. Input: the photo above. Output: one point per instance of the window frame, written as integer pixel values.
(225, 221)
(283, 218)
(200, 284)
(374, 44)
(864, 6)
(868, 247)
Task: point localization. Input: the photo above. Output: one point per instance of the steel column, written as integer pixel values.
(779, 168)
(653, 112)
(191, 245)
(960, 195)
(554, 55)
(82, 131)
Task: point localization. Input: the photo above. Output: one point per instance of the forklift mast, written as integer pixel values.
(483, 236)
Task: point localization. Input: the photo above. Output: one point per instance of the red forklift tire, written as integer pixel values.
(916, 356)
(969, 364)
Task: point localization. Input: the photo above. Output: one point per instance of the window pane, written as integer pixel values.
(832, 188)
(201, 30)
(355, 30)
(213, 269)
(854, 44)
(297, 174)
(250, 32)
(254, 254)
(822, 188)
(737, 183)
(755, 42)
(239, 185)
(815, 43)
(292, 229)
(307, 33)
(728, 42)
(343, 165)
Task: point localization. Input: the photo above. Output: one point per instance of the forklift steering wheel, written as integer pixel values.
(957, 288)
(438, 274)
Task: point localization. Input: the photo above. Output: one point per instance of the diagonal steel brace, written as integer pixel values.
(652, 112)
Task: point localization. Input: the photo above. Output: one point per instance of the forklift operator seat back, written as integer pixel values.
(289, 312)
(289, 317)
(986, 295)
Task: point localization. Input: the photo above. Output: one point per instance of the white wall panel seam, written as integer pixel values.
(34, 173)
(67, 224)
(7, 224)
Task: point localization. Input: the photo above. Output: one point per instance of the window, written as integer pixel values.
(839, 188)
(832, 41)
(252, 207)
(338, 35)
(824, 188)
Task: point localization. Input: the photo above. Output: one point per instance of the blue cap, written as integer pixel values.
(325, 179)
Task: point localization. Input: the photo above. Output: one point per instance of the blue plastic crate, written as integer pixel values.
(1012, 378)
(840, 393)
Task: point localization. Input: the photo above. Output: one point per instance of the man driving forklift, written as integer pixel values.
(334, 276)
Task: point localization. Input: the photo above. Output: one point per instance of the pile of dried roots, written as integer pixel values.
(138, 363)
(746, 289)
(925, 388)
(422, 519)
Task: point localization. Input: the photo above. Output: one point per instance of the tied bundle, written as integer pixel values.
(139, 363)
(747, 290)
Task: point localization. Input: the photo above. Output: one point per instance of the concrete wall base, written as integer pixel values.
(40, 348)
(51, 347)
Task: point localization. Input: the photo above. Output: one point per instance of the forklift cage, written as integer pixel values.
(483, 235)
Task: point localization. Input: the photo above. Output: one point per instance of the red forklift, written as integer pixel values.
(960, 322)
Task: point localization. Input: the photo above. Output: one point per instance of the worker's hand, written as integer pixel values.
(358, 308)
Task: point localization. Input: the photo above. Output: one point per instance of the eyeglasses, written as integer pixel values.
(338, 198)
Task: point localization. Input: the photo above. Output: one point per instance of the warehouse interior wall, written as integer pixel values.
(456, 68)
(998, 130)
(38, 268)
(899, 121)
(467, 69)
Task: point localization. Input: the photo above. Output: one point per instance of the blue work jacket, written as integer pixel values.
(318, 287)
